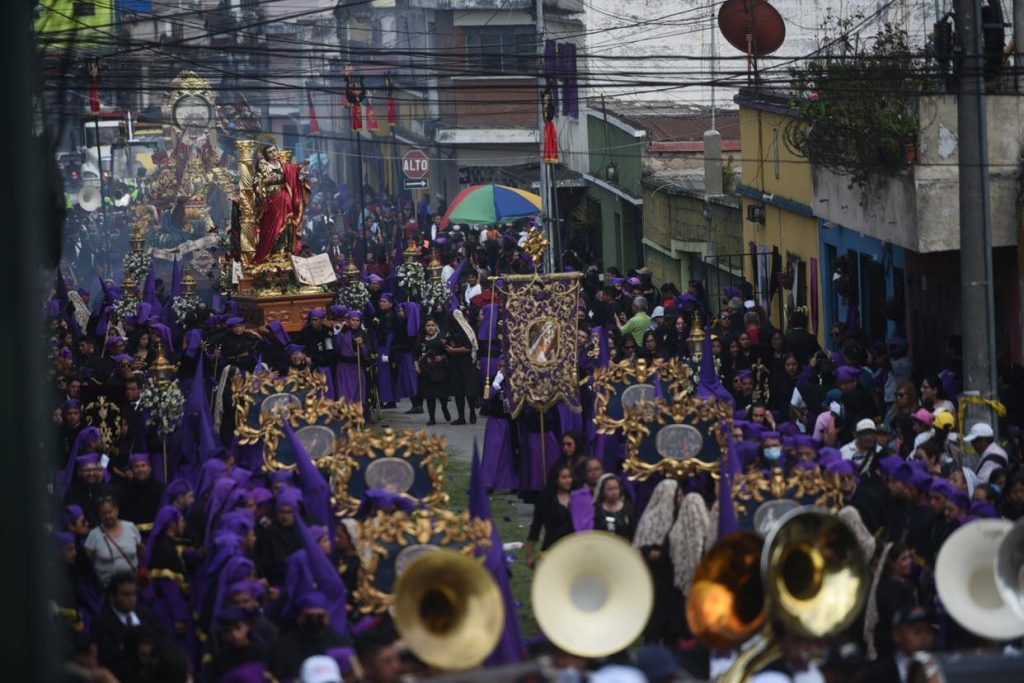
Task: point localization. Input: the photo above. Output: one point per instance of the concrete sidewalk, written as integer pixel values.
(460, 438)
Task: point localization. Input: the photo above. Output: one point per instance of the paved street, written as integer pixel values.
(460, 438)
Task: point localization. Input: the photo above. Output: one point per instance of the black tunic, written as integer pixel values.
(433, 361)
(141, 501)
(463, 376)
(553, 517)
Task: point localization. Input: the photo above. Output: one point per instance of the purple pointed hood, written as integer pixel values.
(710, 386)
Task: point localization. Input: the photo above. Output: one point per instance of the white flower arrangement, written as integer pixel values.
(412, 278)
(435, 292)
(354, 296)
(136, 264)
(184, 306)
(166, 405)
(124, 308)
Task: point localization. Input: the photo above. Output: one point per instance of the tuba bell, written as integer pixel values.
(976, 582)
(89, 198)
(592, 594)
(449, 610)
(814, 581)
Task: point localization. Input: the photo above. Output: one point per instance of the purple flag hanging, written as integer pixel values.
(570, 90)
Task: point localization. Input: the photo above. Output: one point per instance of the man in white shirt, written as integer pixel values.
(863, 446)
(982, 439)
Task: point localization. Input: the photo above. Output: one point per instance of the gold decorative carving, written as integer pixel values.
(381, 538)
(250, 390)
(710, 418)
(805, 485)
(363, 447)
(315, 410)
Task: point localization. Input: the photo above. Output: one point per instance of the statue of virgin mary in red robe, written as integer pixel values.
(282, 191)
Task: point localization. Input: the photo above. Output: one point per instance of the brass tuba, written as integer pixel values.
(449, 610)
(592, 594)
(814, 579)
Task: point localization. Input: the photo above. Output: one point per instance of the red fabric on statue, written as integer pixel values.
(287, 204)
(550, 143)
(357, 116)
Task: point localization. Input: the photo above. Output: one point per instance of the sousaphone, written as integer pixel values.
(89, 198)
(592, 594)
(976, 582)
(449, 610)
(809, 577)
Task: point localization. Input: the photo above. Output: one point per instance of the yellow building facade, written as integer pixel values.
(777, 210)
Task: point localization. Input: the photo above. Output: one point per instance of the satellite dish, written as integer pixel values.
(753, 27)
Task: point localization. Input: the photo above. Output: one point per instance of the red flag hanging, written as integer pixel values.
(550, 132)
(392, 111)
(94, 98)
(371, 118)
(314, 123)
(355, 94)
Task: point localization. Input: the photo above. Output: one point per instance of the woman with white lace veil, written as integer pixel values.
(671, 534)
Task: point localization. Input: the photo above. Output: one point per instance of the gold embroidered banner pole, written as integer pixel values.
(490, 342)
(543, 451)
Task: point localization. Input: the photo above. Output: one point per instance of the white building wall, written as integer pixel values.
(639, 49)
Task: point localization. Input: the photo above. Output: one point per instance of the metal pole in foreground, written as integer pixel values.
(976, 294)
(545, 183)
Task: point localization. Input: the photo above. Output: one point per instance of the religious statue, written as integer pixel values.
(281, 191)
(192, 169)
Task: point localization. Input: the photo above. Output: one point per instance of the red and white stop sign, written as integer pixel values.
(415, 164)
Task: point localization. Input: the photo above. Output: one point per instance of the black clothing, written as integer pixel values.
(554, 517)
(116, 642)
(801, 344)
(621, 523)
(433, 361)
(893, 595)
(293, 648)
(231, 657)
(140, 502)
(237, 350)
(883, 670)
(87, 496)
(463, 376)
(318, 344)
(273, 546)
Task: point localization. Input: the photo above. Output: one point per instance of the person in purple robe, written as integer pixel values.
(168, 576)
(352, 359)
(77, 593)
(386, 326)
(279, 539)
(403, 349)
(539, 447)
(89, 487)
(313, 634)
(497, 467)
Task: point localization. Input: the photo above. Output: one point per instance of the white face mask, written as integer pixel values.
(773, 452)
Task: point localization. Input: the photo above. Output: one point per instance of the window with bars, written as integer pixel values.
(502, 50)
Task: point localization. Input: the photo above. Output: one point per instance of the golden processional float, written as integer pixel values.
(272, 284)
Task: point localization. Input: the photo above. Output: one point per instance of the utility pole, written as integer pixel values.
(976, 295)
(547, 220)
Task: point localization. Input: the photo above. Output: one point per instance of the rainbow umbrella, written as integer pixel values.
(487, 204)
